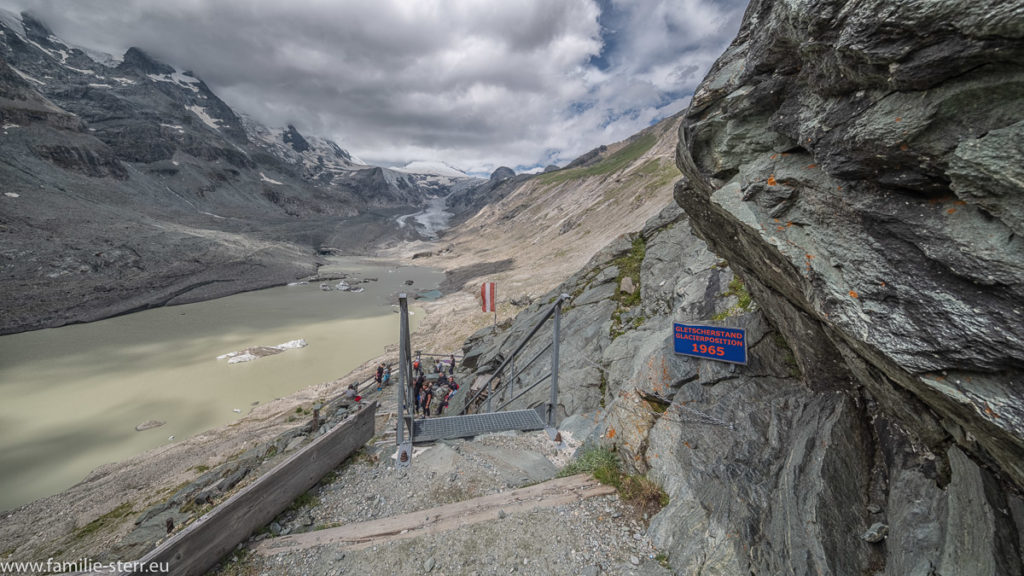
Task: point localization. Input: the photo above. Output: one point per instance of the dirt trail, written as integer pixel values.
(442, 518)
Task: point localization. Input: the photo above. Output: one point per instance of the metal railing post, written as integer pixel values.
(490, 392)
(512, 379)
(404, 382)
(553, 405)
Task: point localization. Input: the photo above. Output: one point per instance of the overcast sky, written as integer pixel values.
(474, 83)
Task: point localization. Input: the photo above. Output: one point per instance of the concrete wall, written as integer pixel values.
(198, 547)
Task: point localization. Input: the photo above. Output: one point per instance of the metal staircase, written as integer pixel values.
(501, 385)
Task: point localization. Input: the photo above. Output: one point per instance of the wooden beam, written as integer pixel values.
(201, 545)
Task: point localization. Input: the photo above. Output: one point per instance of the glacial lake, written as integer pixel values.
(72, 396)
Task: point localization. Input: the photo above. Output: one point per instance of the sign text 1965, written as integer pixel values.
(712, 342)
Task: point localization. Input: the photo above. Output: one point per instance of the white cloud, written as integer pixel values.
(477, 84)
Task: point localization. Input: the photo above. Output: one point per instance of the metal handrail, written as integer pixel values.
(557, 303)
(531, 387)
(528, 364)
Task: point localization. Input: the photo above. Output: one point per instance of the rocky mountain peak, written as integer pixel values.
(34, 28)
(502, 173)
(137, 60)
(292, 137)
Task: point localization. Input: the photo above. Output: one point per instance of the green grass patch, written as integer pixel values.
(629, 267)
(604, 387)
(737, 289)
(304, 500)
(640, 491)
(108, 520)
(617, 161)
(743, 299)
(600, 462)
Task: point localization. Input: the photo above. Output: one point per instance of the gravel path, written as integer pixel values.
(591, 536)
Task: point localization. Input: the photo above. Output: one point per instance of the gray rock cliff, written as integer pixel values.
(852, 199)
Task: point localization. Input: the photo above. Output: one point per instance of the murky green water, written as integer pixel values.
(72, 396)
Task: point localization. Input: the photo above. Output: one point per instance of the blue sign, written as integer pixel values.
(711, 342)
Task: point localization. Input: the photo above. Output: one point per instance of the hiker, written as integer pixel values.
(451, 365)
(439, 368)
(426, 396)
(387, 375)
(417, 389)
(380, 375)
(352, 393)
(441, 394)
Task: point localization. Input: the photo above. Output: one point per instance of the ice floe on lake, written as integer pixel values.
(255, 352)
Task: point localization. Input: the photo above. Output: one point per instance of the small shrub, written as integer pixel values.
(600, 462)
(108, 520)
(304, 500)
(643, 493)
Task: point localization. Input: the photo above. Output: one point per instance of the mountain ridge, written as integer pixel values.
(111, 171)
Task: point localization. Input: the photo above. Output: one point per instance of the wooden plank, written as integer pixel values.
(442, 518)
(199, 546)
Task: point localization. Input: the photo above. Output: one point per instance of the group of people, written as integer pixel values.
(383, 375)
(431, 396)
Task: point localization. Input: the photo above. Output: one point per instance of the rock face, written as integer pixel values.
(852, 199)
(856, 163)
(865, 182)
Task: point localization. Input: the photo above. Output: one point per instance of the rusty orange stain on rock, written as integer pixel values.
(899, 119)
(771, 180)
(951, 210)
(853, 294)
(611, 432)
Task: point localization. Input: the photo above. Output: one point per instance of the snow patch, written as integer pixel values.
(8, 126)
(174, 127)
(270, 180)
(100, 86)
(26, 76)
(178, 79)
(206, 118)
(81, 71)
(12, 194)
(433, 168)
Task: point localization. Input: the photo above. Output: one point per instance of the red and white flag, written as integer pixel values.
(487, 294)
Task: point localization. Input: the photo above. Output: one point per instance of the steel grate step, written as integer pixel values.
(475, 424)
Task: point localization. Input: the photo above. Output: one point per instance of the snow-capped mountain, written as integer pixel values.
(133, 184)
(313, 155)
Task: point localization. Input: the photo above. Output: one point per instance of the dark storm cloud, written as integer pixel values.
(475, 83)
